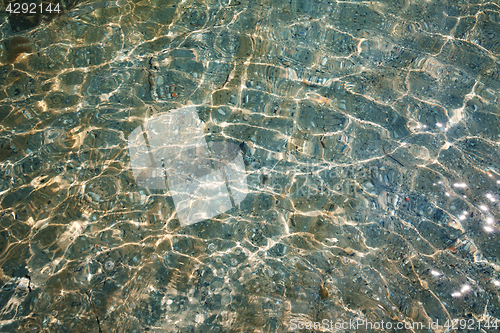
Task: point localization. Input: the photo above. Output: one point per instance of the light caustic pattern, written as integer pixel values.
(369, 133)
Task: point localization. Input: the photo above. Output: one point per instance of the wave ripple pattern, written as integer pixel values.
(249, 166)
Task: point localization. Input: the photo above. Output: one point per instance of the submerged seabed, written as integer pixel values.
(370, 135)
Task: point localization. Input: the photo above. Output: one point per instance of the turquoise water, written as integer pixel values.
(250, 166)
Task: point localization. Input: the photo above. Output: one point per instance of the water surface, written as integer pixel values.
(364, 185)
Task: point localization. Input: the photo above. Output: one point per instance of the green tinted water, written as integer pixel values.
(367, 189)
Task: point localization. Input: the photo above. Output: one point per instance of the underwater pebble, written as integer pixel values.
(109, 265)
(23, 283)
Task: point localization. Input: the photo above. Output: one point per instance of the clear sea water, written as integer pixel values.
(250, 166)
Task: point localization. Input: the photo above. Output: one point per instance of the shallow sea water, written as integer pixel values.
(364, 140)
